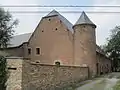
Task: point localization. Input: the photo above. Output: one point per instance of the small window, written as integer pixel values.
(29, 51)
(49, 19)
(37, 50)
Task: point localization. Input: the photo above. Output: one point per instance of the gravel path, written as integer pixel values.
(104, 83)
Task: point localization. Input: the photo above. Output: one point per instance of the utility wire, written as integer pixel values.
(92, 12)
(113, 6)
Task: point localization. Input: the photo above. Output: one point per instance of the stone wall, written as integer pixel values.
(50, 77)
(15, 73)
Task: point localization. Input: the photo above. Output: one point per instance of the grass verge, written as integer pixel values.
(117, 86)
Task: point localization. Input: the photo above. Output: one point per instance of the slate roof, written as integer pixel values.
(63, 19)
(84, 20)
(19, 39)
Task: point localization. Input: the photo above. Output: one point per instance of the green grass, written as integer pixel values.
(117, 86)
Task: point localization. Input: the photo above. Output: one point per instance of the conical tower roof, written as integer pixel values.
(84, 20)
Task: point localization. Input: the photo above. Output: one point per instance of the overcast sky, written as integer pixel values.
(28, 21)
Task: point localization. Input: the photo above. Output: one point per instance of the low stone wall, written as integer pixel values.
(14, 66)
(50, 77)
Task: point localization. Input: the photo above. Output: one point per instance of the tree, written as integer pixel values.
(112, 48)
(7, 25)
(3, 73)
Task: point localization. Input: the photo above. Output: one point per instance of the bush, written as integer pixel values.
(3, 73)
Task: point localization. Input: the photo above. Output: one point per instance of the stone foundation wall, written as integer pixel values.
(50, 77)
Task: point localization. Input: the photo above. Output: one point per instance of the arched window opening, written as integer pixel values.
(57, 63)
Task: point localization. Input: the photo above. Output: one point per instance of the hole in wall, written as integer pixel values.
(11, 68)
(37, 62)
(57, 63)
(60, 21)
(93, 27)
(83, 26)
(56, 29)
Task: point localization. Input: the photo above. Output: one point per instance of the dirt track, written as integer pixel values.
(105, 83)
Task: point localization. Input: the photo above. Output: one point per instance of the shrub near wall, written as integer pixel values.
(3, 73)
(50, 77)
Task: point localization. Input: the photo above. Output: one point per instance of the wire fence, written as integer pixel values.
(75, 12)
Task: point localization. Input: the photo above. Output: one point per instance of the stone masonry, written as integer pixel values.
(38, 76)
(15, 73)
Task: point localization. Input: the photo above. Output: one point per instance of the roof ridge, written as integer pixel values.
(68, 24)
(52, 13)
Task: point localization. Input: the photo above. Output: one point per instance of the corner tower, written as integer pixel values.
(85, 43)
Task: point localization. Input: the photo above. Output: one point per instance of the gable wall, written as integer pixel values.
(54, 44)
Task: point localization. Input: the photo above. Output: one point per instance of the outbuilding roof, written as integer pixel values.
(19, 39)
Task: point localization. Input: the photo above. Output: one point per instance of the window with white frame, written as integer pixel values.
(38, 51)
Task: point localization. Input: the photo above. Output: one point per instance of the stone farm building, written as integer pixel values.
(56, 41)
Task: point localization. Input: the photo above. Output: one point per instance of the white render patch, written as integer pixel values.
(19, 39)
(63, 19)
